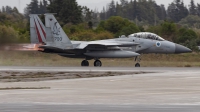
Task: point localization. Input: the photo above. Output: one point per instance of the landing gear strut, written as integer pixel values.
(137, 59)
(97, 63)
(85, 63)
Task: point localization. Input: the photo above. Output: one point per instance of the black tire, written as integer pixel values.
(84, 63)
(137, 65)
(97, 63)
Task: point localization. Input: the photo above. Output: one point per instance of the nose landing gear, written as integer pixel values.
(137, 59)
(137, 65)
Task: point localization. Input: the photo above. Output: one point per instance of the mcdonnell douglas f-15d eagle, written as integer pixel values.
(56, 41)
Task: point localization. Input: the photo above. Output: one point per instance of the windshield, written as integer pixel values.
(147, 35)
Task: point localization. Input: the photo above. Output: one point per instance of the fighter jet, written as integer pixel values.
(56, 41)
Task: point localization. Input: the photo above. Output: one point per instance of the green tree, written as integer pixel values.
(86, 14)
(103, 14)
(43, 7)
(118, 26)
(119, 11)
(32, 8)
(7, 35)
(186, 35)
(163, 13)
(15, 10)
(150, 7)
(177, 11)
(35, 7)
(130, 29)
(124, 3)
(168, 28)
(8, 9)
(115, 24)
(112, 9)
(135, 10)
(192, 21)
(198, 9)
(192, 8)
(124, 9)
(3, 9)
(68, 11)
(160, 12)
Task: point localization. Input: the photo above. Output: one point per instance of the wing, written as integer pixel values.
(95, 45)
(103, 45)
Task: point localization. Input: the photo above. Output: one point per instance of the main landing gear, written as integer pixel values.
(137, 59)
(97, 63)
(85, 63)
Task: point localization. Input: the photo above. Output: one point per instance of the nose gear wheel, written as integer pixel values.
(137, 59)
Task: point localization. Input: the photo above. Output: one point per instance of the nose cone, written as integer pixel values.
(181, 49)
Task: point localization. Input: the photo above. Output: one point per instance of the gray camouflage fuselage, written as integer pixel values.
(144, 46)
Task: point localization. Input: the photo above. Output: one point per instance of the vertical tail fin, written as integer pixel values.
(37, 30)
(60, 39)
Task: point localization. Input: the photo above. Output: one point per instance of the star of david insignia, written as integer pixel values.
(158, 44)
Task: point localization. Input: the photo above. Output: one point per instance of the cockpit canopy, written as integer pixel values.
(147, 35)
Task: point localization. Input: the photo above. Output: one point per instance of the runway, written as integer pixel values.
(98, 69)
(161, 90)
(97, 108)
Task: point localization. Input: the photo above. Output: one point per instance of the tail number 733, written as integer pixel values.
(58, 38)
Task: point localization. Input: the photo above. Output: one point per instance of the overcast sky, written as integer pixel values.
(92, 4)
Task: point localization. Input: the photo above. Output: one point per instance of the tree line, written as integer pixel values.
(142, 12)
(149, 11)
(68, 11)
(13, 26)
(176, 23)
